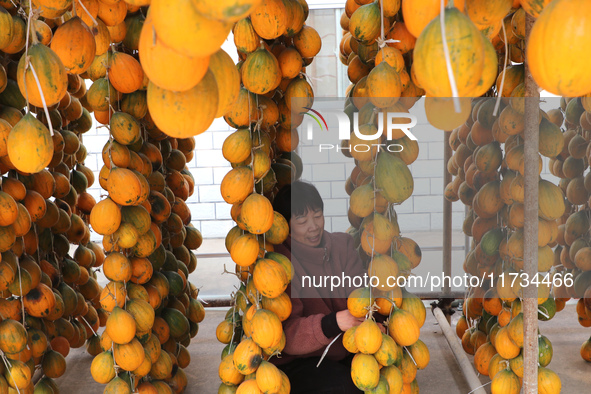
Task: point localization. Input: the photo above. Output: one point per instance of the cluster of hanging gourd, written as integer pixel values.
(572, 254)
(145, 222)
(149, 307)
(380, 179)
(45, 203)
(274, 46)
(394, 56)
(484, 29)
(389, 362)
(147, 235)
(488, 164)
(44, 211)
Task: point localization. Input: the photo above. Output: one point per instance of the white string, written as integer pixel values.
(88, 324)
(27, 53)
(87, 12)
(479, 387)
(411, 357)
(382, 19)
(10, 373)
(381, 39)
(42, 97)
(20, 280)
(500, 92)
(326, 350)
(450, 72)
(543, 314)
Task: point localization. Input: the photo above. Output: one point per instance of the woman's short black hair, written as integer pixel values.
(296, 199)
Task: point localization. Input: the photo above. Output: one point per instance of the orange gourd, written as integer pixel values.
(280, 306)
(290, 62)
(54, 364)
(269, 19)
(6, 29)
(534, 7)
(124, 187)
(129, 356)
(307, 42)
(121, 326)
(489, 12)
(75, 45)
(247, 356)
(383, 84)
(51, 74)
(105, 217)
(268, 377)
(166, 67)
(125, 72)
(365, 371)
(180, 26)
(245, 38)
(359, 301)
(257, 214)
(403, 327)
(117, 267)
(466, 49)
(39, 301)
(142, 313)
(548, 69)
(260, 72)
(228, 373)
(237, 185)
(13, 336)
(237, 146)
(418, 14)
(244, 250)
(299, 95)
(184, 114)
(124, 128)
(226, 10)
(368, 337)
(9, 211)
(269, 278)
(279, 230)
(505, 382)
(266, 329)
(364, 24)
(25, 135)
(548, 381)
(228, 81)
(18, 41)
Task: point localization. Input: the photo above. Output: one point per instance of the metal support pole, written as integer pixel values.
(447, 235)
(459, 354)
(466, 237)
(530, 233)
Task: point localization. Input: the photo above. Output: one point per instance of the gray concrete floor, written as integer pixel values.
(441, 376)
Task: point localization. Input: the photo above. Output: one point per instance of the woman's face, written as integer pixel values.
(307, 229)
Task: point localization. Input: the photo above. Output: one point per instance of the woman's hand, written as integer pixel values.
(346, 320)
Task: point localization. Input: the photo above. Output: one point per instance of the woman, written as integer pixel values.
(317, 317)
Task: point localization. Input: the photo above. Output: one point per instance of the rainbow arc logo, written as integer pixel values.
(318, 115)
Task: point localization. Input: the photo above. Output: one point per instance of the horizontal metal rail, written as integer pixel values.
(222, 302)
(424, 249)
